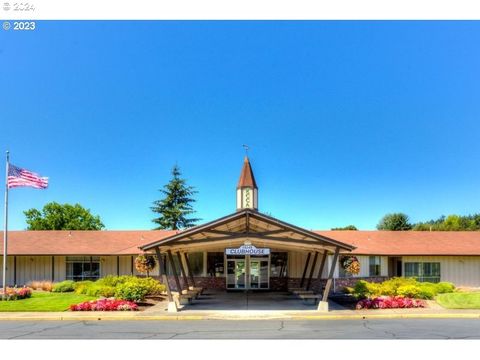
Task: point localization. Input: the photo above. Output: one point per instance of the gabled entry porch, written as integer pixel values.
(247, 239)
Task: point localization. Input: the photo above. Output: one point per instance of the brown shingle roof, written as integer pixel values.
(127, 242)
(80, 242)
(410, 242)
(246, 176)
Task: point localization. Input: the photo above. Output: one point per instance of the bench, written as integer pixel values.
(182, 299)
(196, 288)
(192, 293)
(303, 292)
(292, 290)
(315, 297)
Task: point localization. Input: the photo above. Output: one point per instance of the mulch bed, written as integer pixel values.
(150, 301)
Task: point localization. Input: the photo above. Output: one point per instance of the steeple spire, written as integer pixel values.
(247, 191)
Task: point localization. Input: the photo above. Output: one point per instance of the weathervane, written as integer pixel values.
(246, 147)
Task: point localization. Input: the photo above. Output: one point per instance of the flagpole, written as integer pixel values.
(5, 230)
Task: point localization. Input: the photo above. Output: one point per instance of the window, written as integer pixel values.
(215, 264)
(423, 271)
(196, 263)
(83, 268)
(374, 265)
(278, 264)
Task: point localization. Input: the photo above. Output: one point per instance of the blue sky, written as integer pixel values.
(346, 121)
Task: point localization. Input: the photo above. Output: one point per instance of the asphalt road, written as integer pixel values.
(267, 329)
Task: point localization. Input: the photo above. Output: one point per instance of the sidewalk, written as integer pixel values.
(429, 313)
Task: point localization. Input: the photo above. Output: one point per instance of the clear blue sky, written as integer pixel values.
(346, 121)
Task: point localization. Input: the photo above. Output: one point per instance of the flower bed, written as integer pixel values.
(390, 302)
(105, 305)
(17, 293)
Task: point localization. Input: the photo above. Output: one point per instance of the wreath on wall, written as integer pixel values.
(145, 263)
(351, 264)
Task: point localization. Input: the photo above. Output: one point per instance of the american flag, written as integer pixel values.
(22, 177)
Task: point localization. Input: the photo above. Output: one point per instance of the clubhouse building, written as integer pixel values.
(247, 250)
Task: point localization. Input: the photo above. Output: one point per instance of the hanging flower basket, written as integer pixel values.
(351, 265)
(145, 263)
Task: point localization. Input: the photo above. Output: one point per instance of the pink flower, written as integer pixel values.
(105, 305)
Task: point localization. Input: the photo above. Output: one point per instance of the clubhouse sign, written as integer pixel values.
(248, 250)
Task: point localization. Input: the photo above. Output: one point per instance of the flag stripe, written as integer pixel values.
(18, 177)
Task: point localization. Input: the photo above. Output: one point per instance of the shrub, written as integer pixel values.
(47, 286)
(81, 287)
(40, 285)
(445, 287)
(389, 302)
(427, 290)
(363, 289)
(111, 280)
(100, 290)
(407, 287)
(409, 291)
(64, 286)
(105, 305)
(132, 290)
(125, 287)
(154, 287)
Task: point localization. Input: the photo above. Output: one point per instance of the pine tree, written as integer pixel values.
(175, 207)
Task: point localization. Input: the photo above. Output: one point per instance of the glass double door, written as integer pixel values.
(247, 272)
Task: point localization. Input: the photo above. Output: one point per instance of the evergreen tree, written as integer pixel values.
(176, 206)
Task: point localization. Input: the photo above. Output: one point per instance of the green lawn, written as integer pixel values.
(459, 300)
(44, 301)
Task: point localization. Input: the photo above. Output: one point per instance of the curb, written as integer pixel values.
(236, 318)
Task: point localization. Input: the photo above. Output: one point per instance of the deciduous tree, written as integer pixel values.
(55, 216)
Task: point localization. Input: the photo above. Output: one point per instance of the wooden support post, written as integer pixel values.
(330, 275)
(161, 267)
(118, 265)
(305, 270)
(312, 269)
(53, 268)
(182, 270)
(174, 271)
(322, 265)
(190, 274)
(131, 265)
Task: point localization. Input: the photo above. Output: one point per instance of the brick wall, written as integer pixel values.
(276, 284)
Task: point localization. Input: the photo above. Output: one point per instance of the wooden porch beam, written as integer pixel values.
(174, 271)
(237, 233)
(161, 266)
(330, 275)
(305, 269)
(190, 274)
(322, 265)
(309, 281)
(250, 236)
(182, 269)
